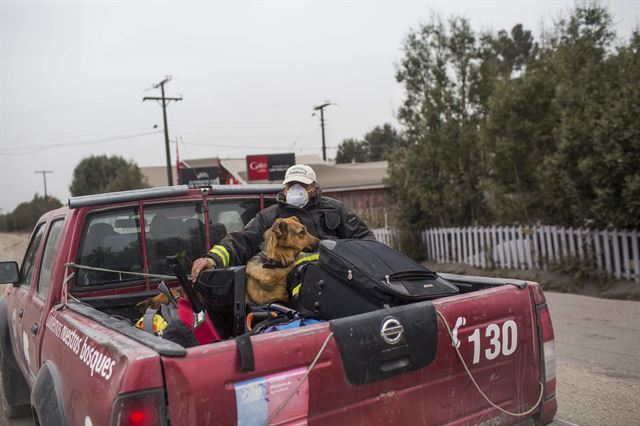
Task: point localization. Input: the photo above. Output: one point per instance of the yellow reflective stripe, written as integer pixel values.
(307, 258)
(222, 252)
(296, 290)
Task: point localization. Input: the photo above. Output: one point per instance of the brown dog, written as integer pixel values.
(267, 271)
(159, 299)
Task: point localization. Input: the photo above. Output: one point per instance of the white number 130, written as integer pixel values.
(507, 345)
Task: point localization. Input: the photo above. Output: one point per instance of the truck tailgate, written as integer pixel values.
(373, 370)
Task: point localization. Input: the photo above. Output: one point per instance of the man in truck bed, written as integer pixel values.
(302, 197)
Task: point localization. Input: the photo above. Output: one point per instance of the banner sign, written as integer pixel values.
(199, 176)
(269, 167)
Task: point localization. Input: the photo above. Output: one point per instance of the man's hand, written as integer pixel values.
(200, 265)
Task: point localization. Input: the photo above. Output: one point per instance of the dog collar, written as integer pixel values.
(269, 263)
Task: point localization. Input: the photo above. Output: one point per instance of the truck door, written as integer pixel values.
(33, 324)
(18, 301)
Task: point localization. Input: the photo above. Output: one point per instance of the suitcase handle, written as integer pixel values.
(411, 276)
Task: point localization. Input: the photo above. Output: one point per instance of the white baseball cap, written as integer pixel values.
(299, 173)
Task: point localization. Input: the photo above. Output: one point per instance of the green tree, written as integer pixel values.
(377, 145)
(25, 215)
(518, 134)
(351, 151)
(97, 174)
(437, 169)
(592, 176)
(380, 142)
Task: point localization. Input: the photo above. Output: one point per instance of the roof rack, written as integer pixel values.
(169, 191)
(266, 188)
(122, 196)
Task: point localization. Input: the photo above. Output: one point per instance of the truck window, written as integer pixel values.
(111, 240)
(173, 229)
(50, 250)
(26, 272)
(232, 215)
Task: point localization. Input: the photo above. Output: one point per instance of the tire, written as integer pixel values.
(15, 393)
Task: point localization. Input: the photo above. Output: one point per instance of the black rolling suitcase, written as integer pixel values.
(224, 293)
(357, 276)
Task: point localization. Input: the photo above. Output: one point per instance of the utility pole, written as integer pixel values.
(44, 178)
(165, 101)
(321, 108)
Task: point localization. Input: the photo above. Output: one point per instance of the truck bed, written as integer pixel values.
(352, 383)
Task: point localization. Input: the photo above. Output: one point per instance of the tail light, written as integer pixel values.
(140, 408)
(548, 350)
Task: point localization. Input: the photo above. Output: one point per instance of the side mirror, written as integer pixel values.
(9, 273)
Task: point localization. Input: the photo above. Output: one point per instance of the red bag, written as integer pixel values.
(183, 325)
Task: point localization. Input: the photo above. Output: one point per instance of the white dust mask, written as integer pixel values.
(297, 196)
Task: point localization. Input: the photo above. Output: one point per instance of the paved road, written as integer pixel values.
(598, 371)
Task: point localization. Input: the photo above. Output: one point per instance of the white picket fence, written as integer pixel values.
(615, 252)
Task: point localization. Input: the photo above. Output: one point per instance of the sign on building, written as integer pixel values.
(269, 167)
(199, 176)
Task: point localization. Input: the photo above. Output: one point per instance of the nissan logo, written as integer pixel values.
(391, 331)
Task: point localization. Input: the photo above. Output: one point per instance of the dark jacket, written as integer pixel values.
(324, 218)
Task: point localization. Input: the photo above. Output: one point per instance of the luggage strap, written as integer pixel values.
(245, 350)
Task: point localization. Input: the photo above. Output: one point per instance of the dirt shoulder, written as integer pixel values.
(576, 282)
(13, 246)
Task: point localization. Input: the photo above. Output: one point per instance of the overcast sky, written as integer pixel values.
(73, 75)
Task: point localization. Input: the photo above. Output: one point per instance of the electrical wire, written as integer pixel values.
(34, 148)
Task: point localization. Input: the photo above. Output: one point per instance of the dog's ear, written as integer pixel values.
(280, 228)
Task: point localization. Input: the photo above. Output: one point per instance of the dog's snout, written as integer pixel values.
(314, 244)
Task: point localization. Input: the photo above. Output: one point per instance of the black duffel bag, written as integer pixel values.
(356, 276)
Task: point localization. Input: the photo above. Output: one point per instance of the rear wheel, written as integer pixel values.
(15, 391)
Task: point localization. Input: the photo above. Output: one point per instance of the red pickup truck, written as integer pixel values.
(71, 355)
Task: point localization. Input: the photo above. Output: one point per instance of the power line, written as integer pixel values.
(165, 102)
(215, 145)
(44, 178)
(35, 148)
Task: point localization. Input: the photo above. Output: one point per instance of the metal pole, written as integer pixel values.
(166, 137)
(324, 145)
(321, 108)
(44, 178)
(165, 101)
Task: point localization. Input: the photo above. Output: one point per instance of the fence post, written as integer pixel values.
(488, 250)
(572, 244)
(536, 250)
(501, 251)
(626, 254)
(615, 242)
(447, 256)
(563, 243)
(607, 252)
(476, 249)
(482, 253)
(458, 246)
(596, 242)
(635, 242)
(470, 245)
(543, 247)
(513, 246)
(550, 252)
(581, 248)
